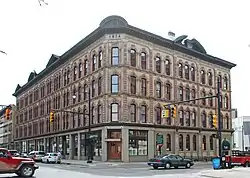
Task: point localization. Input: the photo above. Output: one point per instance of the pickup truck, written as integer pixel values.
(23, 167)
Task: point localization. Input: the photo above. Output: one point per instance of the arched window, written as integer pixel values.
(158, 115)
(186, 68)
(100, 56)
(75, 73)
(210, 78)
(143, 61)
(158, 64)
(80, 70)
(181, 93)
(225, 83)
(226, 102)
(180, 142)
(188, 118)
(187, 93)
(203, 77)
(94, 63)
(115, 56)
(167, 67)
(133, 57)
(192, 73)
(133, 113)
(181, 116)
(220, 79)
(180, 66)
(114, 112)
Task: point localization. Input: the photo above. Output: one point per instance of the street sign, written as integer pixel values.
(165, 113)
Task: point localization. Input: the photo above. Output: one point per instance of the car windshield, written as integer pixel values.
(40, 153)
(53, 154)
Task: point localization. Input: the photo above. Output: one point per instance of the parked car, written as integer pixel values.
(23, 167)
(14, 153)
(24, 155)
(51, 158)
(170, 160)
(37, 155)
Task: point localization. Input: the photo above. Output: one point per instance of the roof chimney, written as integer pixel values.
(171, 35)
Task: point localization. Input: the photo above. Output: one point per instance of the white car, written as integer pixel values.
(51, 158)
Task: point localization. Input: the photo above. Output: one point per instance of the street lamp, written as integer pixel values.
(89, 128)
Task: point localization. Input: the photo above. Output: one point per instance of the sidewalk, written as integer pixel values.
(226, 173)
(110, 164)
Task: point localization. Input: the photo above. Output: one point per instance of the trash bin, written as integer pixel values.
(216, 162)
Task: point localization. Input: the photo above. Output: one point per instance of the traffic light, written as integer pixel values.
(173, 112)
(7, 113)
(51, 116)
(214, 121)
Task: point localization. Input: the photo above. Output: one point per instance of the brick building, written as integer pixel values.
(131, 74)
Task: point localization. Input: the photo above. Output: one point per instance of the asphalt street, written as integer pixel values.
(75, 171)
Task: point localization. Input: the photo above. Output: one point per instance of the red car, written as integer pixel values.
(23, 167)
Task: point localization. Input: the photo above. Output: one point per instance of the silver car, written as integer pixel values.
(37, 155)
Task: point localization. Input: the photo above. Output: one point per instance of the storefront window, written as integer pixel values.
(138, 143)
(97, 143)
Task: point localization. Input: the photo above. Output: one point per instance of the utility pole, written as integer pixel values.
(219, 115)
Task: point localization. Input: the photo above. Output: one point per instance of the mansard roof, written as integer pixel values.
(116, 24)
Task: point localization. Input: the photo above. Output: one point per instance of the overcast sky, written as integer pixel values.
(29, 34)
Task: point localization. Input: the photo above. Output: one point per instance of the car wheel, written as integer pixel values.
(167, 166)
(176, 167)
(26, 171)
(155, 167)
(188, 165)
(47, 161)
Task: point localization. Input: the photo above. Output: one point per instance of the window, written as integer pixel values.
(186, 72)
(114, 112)
(138, 142)
(194, 143)
(143, 87)
(100, 59)
(133, 85)
(211, 140)
(133, 113)
(158, 64)
(143, 114)
(192, 73)
(80, 71)
(85, 66)
(168, 91)
(93, 88)
(211, 120)
(187, 94)
(158, 89)
(220, 79)
(204, 119)
(158, 115)
(167, 67)
(210, 78)
(225, 83)
(181, 93)
(187, 118)
(75, 73)
(203, 78)
(203, 101)
(181, 116)
(114, 84)
(193, 93)
(133, 57)
(180, 70)
(99, 85)
(143, 60)
(85, 88)
(99, 113)
(94, 63)
(115, 56)
(188, 143)
(73, 94)
(181, 142)
(204, 143)
(226, 102)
